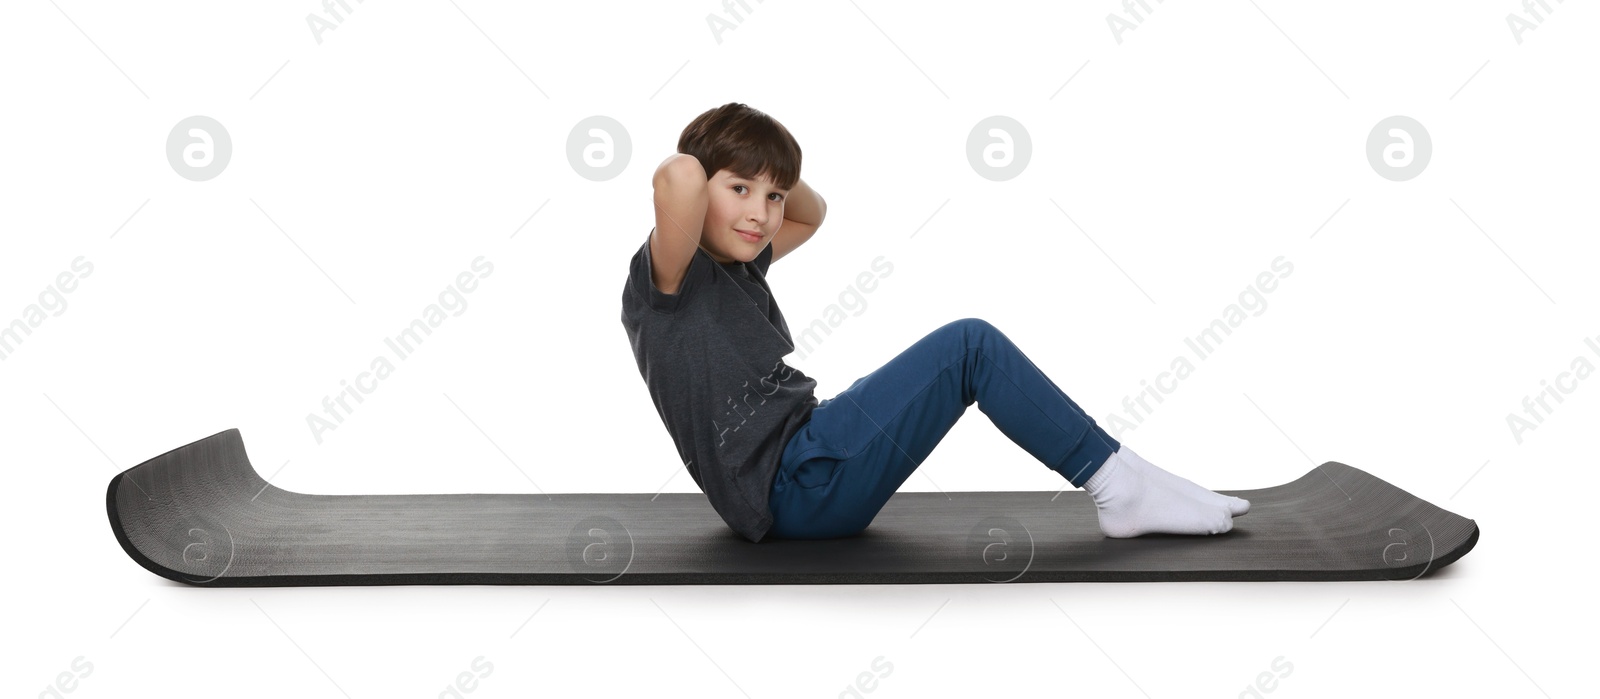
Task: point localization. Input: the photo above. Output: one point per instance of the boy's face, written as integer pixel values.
(737, 204)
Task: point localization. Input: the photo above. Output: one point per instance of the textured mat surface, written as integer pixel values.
(200, 514)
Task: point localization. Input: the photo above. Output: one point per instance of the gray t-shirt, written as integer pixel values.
(711, 356)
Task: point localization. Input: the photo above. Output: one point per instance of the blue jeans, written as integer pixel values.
(839, 470)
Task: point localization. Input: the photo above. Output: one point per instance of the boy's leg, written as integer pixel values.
(876, 432)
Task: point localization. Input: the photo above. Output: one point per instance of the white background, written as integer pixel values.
(420, 135)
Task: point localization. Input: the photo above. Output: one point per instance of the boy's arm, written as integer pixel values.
(803, 212)
(680, 202)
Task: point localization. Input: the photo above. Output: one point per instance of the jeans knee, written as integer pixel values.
(967, 325)
(964, 332)
(975, 330)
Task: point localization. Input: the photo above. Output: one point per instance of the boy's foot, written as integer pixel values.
(1237, 506)
(1135, 497)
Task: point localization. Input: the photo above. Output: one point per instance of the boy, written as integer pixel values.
(710, 340)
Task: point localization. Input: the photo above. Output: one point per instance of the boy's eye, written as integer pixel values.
(740, 186)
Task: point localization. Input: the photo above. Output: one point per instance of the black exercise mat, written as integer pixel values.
(200, 514)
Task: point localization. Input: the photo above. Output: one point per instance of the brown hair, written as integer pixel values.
(744, 141)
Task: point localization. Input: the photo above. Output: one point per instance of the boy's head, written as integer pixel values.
(752, 162)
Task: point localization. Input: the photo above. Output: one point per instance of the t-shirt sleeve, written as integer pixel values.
(658, 299)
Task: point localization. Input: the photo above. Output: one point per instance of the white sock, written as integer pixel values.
(1133, 499)
(1237, 506)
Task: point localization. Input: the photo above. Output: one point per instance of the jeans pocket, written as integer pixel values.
(815, 472)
